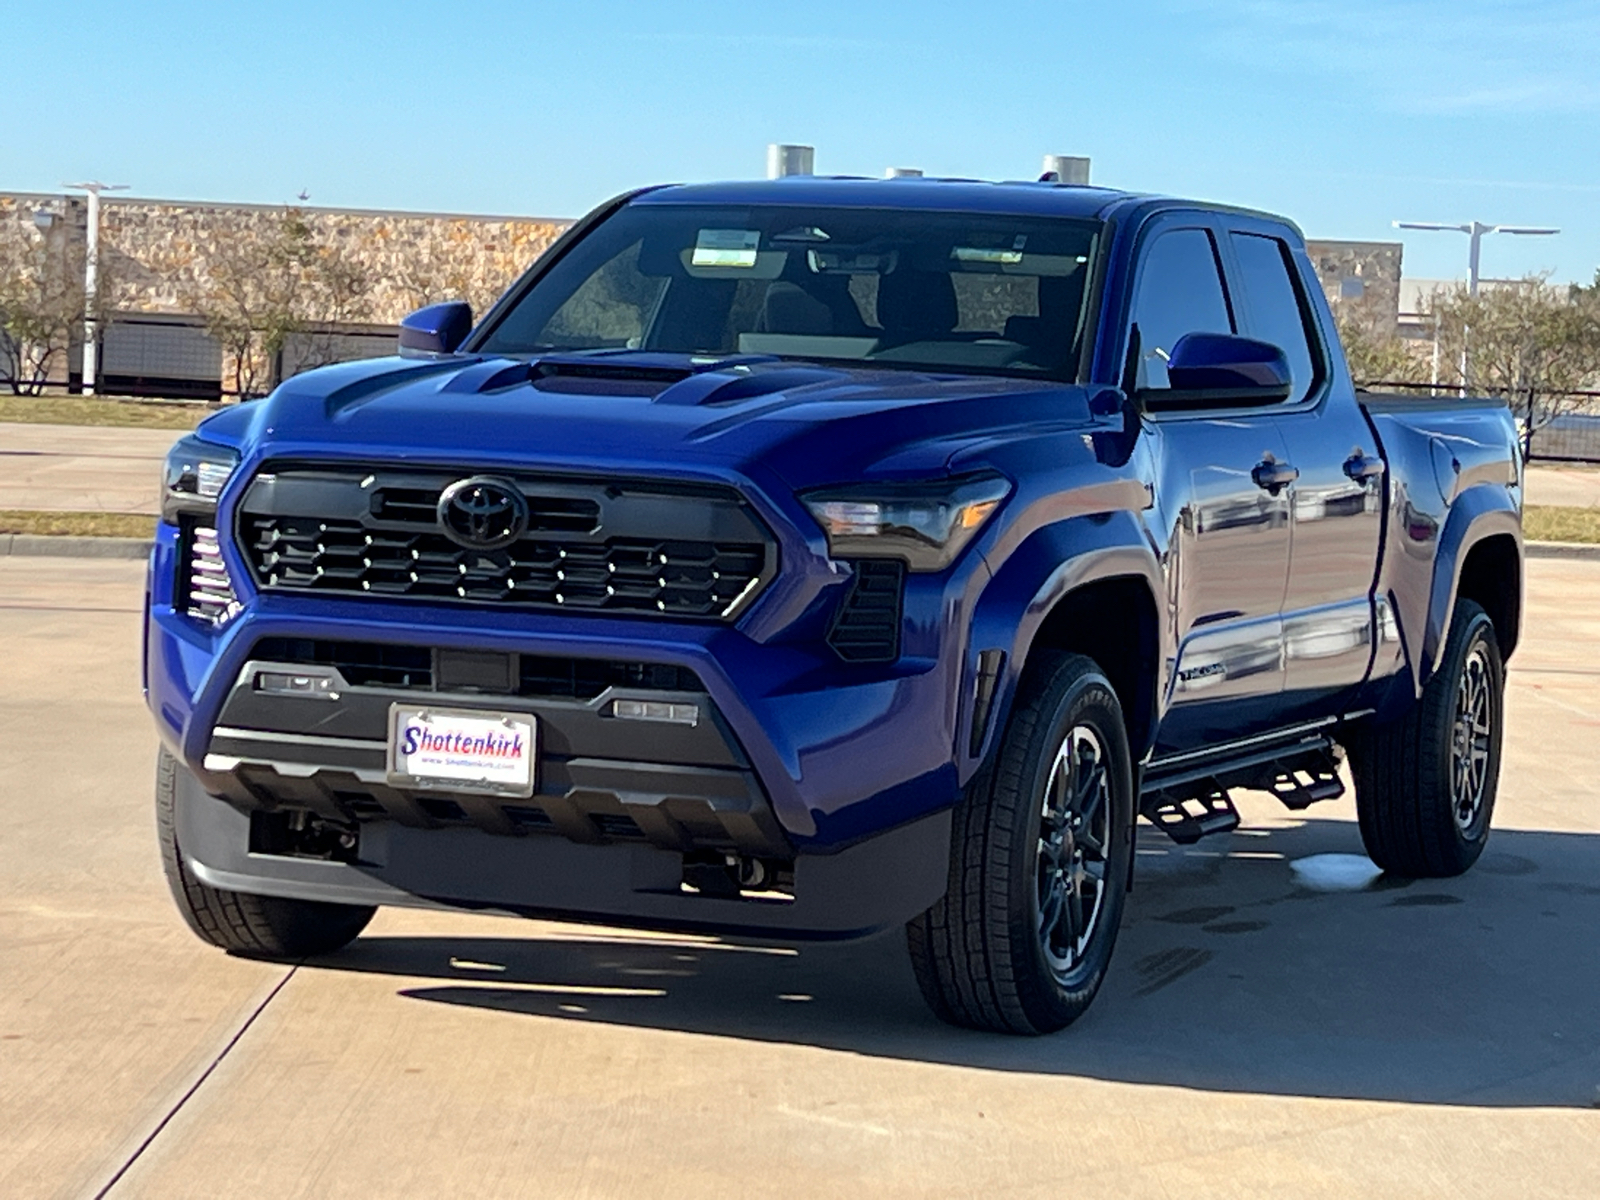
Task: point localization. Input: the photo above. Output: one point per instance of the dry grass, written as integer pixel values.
(1549, 523)
(103, 410)
(78, 524)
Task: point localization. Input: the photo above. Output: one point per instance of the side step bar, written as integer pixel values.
(1187, 796)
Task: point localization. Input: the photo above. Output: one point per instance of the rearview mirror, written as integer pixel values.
(437, 329)
(1221, 370)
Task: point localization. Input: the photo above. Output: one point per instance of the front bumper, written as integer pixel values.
(874, 885)
(804, 759)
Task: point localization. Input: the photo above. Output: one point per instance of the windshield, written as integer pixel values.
(932, 290)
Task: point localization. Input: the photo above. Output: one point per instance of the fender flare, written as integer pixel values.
(1050, 564)
(1480, 512)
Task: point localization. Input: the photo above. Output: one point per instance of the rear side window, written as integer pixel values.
(1180, 292)
(1273, 306)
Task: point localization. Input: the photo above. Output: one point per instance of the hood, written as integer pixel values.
(631, 412)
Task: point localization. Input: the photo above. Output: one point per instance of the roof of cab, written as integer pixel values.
(947, 195)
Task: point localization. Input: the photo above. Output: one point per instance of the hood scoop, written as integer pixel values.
(665, 378)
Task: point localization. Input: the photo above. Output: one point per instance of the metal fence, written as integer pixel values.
(1553, 426)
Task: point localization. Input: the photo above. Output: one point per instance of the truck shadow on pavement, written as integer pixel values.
(1236, 971)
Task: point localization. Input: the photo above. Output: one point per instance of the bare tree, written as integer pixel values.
(337, 292)
(1375, 355)
(273, 281)
(1528, 341)
(42, 305)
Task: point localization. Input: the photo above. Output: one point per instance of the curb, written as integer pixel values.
(1561, 550)
(33, 545)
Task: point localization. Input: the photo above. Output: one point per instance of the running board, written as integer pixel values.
(1187, 819)
(1187, 797)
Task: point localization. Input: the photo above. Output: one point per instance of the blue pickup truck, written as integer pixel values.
(809, 557)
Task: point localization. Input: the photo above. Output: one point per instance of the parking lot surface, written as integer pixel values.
(82, 468)
(1266, 1030)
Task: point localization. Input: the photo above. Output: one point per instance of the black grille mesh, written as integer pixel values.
(589, 547)
(375, 664)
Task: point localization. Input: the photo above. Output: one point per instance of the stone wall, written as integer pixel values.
(159, 254)
(1361, 281)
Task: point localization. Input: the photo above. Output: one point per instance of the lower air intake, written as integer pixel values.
(868, 625)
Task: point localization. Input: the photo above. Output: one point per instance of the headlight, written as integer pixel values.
(927, 525)
(193, 477)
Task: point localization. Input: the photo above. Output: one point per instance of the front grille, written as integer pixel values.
(207, 590)
(591, 546)
(868, 626)
(377, 664)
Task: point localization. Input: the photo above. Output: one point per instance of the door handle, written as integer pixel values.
(1359, 466)
(1274, 475)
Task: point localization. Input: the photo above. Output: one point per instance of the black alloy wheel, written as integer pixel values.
(1041, 850)
(1074, 837)
(1426, 782)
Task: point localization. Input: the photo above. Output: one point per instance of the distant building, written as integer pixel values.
(1362, 281)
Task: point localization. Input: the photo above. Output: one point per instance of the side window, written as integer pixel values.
(1180, 291)
(1273, 306)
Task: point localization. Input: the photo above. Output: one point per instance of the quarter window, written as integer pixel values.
(1273, 306)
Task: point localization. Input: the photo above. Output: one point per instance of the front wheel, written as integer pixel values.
(1426, 783)
(239, 922)
(1041, 849)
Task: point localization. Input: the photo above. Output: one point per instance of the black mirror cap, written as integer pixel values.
(1213, 370)
(436, 329)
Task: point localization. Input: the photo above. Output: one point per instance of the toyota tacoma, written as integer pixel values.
(804, 558)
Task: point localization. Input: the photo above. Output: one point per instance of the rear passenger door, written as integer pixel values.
(1336, 502)
(1226, 538)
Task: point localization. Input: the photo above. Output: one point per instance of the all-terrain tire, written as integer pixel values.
(984, 955)
(1417, 819)
(241, 923)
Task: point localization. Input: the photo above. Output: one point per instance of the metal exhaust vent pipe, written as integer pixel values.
(1064, 168)
(784, 159)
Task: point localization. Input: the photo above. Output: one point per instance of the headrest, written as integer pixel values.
(789, 309)
(917, 306)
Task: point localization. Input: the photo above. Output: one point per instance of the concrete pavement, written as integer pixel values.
(1257, 1036)
(1559, 484)
(82, 468)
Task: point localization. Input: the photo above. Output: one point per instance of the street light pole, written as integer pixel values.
(1474, 231)
(91, 278)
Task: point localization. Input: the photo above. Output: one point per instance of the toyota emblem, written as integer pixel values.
(483, 513)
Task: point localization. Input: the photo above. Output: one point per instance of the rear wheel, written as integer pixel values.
(1426, 783)
(239, 922)
(1041, 850)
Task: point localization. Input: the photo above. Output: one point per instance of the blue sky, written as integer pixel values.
(1343, 114)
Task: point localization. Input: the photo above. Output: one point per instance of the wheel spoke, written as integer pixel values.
(1092, 794)
(1052, 908)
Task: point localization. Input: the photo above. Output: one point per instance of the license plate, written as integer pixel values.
(461, 750)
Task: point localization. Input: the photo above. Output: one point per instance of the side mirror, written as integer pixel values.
(1221, 370)
(437, 329)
